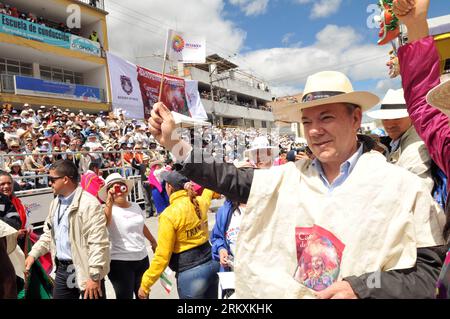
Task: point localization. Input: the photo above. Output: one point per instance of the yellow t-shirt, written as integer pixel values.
(180, 229)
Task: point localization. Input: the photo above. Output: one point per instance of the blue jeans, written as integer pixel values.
(200, 282)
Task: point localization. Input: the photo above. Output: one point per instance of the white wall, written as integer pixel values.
(236, 111)
(97, 78)
(233, 85)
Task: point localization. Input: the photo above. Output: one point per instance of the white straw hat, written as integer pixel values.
(327, 87)
(439, 97)
(111, 179)
(260, 143)
(393, 107)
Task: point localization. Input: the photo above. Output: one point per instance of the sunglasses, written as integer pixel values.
(53, 179)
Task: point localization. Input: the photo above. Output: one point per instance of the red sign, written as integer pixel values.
(173, 95)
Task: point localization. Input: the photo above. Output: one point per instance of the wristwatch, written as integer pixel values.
(95, 277)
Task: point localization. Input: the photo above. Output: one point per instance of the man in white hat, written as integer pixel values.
(362, 219)
(261, 154)
(427, 100)
(111, 121)
(103, 133)
(407, 149)
(139, 135)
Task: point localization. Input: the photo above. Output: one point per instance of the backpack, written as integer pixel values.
(439, 191)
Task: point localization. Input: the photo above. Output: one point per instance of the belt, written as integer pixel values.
(60, 262)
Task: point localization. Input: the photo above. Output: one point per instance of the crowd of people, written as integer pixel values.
(346, 216)
(31, 140)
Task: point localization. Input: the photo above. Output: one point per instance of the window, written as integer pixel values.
(12, 69)
(68, 78)
(26, 65)
(78, 78)
(13, 62)
(57, 77)
(249, 123)
(46, 75)
(60, 75)
(26, 69)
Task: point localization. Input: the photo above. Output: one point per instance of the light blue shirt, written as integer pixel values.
(345, 170)
(61, 226)
(394, 145)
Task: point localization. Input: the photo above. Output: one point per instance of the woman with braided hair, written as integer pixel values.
(183, 242)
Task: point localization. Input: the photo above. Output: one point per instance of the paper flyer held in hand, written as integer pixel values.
(319, 255)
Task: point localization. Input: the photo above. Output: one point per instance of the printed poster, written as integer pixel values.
(319, 255)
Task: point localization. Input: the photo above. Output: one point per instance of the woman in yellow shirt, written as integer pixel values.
(183, 242)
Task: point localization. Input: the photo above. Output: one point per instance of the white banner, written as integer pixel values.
(186, 48)
(126, 93)
(135, 90)
(194, 102)
(38, 205)
(85, 45)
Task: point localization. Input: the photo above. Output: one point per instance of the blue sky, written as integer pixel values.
(292, 21)
(286, 16)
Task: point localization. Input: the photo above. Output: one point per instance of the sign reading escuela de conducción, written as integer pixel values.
(37, 32)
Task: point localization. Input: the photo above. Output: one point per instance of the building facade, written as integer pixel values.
(231, 97)
(440, 30)
(49, 54)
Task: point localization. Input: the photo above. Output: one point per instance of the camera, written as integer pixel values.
(301, 149)
(120, 189)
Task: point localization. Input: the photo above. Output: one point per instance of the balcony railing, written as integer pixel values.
(99, 4)
(7, 86)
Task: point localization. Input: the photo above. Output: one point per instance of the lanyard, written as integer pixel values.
(59, 212)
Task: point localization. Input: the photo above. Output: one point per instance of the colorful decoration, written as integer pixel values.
(393, 64)
(177, 43)
(389, 23)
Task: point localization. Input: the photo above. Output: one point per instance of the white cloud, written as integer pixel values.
(336, 48)
(284, 90)
(336, 38)
(138, 28)
(322, 8)
(287, 38)
(251, 7)
(325, 8)
(380, 89)
(384, 85)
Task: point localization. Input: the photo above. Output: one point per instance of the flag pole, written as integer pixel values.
(164, 67)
